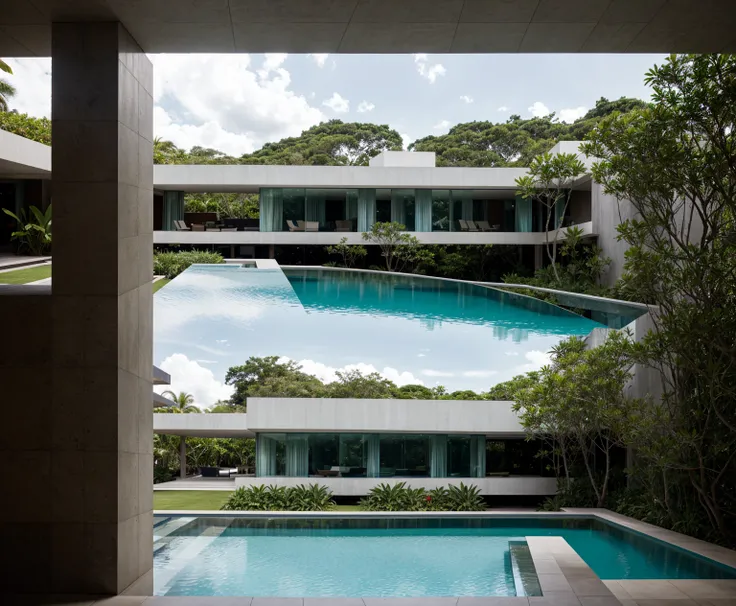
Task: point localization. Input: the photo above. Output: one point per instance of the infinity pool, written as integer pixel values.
(394, 557)
(410, 329)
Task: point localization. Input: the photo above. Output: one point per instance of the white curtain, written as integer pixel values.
(297, 456)
(366, 209)
(423, 214)
(272, 209)
(265, 456)
(478, 456)
(438, 456)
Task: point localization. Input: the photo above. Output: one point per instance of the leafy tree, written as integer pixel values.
(7, 90)
(508, 389)
(549, 181)
(332, 143)
(350, 253)
(580, 406)
(165, 152)
(354, 384)
(35, 129)
(398, 248)
(227, 206)
(675, 164)
(182, 402)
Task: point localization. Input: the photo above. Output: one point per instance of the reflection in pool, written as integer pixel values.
(411, 329)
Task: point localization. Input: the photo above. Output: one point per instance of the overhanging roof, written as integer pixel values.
(21, 158)
(386, 26)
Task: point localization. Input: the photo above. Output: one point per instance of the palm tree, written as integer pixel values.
(7, 90)
(183, 402)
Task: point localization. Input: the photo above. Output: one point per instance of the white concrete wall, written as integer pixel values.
(404, 158)
(354, 487)
(377, 416)
(23, 158)
(204, 425)
(607, 213)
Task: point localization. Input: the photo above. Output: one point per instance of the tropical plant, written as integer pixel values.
(171, 264)
(182, 402)
(7, 90)
(398, 248)
(350, 253)
(33, 237)
(549, 181)
(312, 497)
(392, 497)
(464, 498)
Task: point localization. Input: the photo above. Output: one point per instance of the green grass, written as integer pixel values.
(23, 276)
(159, 284)
(189, 499)
(204, 499)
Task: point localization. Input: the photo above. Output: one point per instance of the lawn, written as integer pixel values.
(189, 499)
(204, 499)
(159, 284)
(23, 276)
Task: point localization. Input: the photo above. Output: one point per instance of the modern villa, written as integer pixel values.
(321, 205)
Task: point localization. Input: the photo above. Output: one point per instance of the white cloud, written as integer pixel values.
(32, 80)
(428, 372)
(573, 113)
(503, 108)
(406, 139)
(365, 106)
(479, 373)
(190, 377)
(442, 125)
(319, 58)
(428, 70)
(328, 374)
(466, 99)
(535, 360)
(221, 101)
(337, 104)
(539, 110)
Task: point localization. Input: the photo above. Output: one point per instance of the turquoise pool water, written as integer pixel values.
(391, 557)
(412, 330)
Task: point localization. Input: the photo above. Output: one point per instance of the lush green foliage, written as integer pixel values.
(36, 129)
(201, 452)
(348, 252)
(33, 230)
(227, 206)
(312, 497)
(399, 249)
(399, 497)
(7, 90)
(171, 264)
(181, 402)
(675, 164)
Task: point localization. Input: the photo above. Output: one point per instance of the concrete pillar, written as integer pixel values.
(182, 457)
(102, 421)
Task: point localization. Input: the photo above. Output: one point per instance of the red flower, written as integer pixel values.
(429, 498)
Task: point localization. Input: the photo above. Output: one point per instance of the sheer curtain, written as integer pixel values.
(559, 211)
(423, 216)
(272, 209)
(398, 210)
(366, 209)
(523, 214)
(316, 207)
(478, 456)
(297, 455)
(438, 456)
(265, 456)
(373, 455)
(351, 206)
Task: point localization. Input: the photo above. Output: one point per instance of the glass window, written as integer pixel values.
(403, 207)
(324, 450)
(294, 204)
(479, 210)
(404, 455)
(383, 206)
(462, 207)
(458, 456)
(440, 210)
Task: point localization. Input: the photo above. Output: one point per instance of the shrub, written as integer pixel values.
(280, 498)
(398, 497)
(171, 264)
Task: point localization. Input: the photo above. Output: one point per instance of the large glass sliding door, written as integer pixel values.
(294, 206)
(441, 220)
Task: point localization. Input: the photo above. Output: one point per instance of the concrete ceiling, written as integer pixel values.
(386, 26)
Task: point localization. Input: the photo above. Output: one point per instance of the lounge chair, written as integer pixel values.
(471, 226)
(212, 229)
(294, 226)
(181, 225)
(484, 226)
(197, 227)
(463, 225)
(344, 225)
(228, 229)
(311, 226)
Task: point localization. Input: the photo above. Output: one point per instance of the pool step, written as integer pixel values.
(525, 574)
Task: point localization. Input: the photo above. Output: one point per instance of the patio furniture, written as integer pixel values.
(181, 225)
(328, 473)
(197, 227)
(344, 225)
(295, 226)
(471, 225)
(483, 226)
(212, 229)
(311, 226)
(463, 225)
(228, 229)
(496, 227)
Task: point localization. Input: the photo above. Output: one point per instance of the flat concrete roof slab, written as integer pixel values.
(385, 26)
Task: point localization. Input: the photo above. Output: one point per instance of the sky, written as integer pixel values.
(236, 103)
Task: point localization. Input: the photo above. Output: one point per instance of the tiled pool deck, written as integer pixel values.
(565, 579)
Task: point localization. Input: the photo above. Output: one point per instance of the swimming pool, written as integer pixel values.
(410, 329)
(399, 557)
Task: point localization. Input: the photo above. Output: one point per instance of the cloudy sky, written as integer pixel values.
(236, 103)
